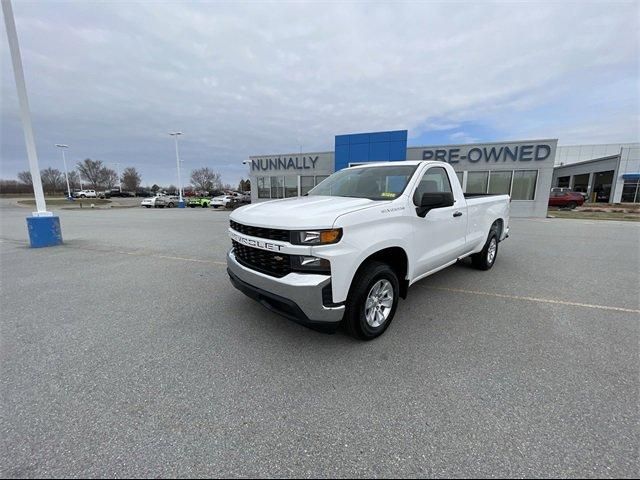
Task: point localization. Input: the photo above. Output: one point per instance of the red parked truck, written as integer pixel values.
(567, 199)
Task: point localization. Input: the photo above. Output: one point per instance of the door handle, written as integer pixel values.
(457, 214)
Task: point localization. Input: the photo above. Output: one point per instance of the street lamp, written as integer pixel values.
(175, 137)
(118, 171)
(62, 147)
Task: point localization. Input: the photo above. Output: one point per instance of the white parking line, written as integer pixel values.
(535, 299)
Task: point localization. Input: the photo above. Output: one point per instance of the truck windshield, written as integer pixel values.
(375, 183)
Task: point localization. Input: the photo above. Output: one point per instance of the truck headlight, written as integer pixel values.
(306, 263)
(317, 237)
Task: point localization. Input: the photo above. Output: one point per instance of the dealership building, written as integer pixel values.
(525, 169)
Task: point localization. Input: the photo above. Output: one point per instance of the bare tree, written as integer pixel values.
(25, 177)
(74, 180)
(130, 179)
(205, 179)
(108, 178)
(92, 171)
(52, 180)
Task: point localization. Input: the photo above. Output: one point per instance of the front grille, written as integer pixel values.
(275, 264)
(269, 233)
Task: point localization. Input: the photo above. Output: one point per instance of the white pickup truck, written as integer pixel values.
(351, 248)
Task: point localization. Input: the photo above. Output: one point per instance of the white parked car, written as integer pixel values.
(86, 194)
(350, 249)
(222, 201)
(161, 201)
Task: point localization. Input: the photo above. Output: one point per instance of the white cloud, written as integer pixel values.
(248, 78)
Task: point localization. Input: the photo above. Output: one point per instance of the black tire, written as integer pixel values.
(216, 206)
(148, 206)
(170, 205)
(355, 319)
(571, 205)
(482, 260)
(204, 205)
(83, 196)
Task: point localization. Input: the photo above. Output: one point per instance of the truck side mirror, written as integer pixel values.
(430, 201)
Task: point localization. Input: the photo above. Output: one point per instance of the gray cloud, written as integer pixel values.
(255, 77)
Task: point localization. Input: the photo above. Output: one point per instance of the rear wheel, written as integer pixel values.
(205, 205)
(571, 205)
(372, 301)
(170, 205)
(485, 259)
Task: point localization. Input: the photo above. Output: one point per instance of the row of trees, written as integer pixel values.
(93, 173)
(206, 180)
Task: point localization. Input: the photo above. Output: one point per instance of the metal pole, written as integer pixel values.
(175, 138)
(66, 175)
(119, 182)
(25, 116)
(178, 164)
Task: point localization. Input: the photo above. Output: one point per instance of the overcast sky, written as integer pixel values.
(239, 79)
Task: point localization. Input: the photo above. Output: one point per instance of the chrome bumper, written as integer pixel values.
(282, 295)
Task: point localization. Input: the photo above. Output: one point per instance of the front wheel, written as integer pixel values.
(372, 301)
(170, 205)
(571, 205)
(485, 259)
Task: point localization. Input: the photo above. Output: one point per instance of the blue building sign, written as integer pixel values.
(370, 147)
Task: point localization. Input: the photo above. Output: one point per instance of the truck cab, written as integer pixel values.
(354, 245)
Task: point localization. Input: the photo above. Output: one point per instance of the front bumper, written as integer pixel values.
(297, 296)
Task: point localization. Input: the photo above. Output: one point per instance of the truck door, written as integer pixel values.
(439, 237)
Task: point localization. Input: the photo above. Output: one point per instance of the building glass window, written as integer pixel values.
(290, 186)
(524, 184)
(500, 182)
(264, 187)
(564, 182)
(631, 191)
(477, 182)
(277, 187)
(460, 176)
(320, 178)
(306, 184)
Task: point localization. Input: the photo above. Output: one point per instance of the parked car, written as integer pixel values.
(86, 194)
(351, 248)
(160, 201)
(144, 193)
(198, 202)
(567, 189)
(565, 199)
(169, 201)
(222, 201)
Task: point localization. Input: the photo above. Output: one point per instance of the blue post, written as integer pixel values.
(44, 231)
(181, 204)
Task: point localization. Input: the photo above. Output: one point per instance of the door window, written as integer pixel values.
(435, 180)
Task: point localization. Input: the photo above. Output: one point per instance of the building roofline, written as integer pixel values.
(536, 140)
(296, 154)
(599, 159)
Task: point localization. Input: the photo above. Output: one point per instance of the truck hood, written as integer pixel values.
(299, 213)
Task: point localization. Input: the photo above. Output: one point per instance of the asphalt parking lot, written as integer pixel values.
(126, 353)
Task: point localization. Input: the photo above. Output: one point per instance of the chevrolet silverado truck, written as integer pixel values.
(349, 249)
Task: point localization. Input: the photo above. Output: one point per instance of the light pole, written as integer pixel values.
(118, 171)
(175, 136)
(43, 226)
(62, 147)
